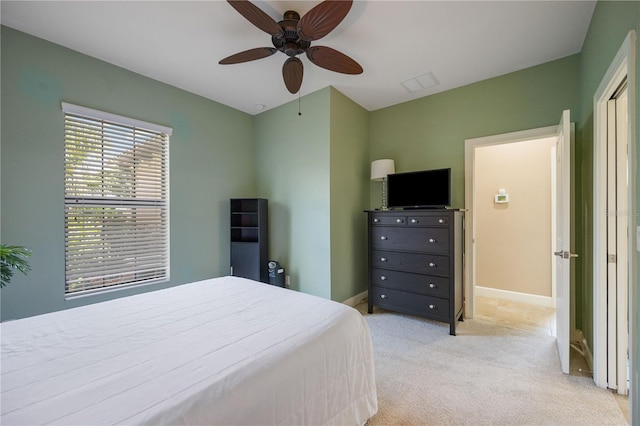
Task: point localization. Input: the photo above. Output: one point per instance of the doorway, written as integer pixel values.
(514, 232)
(472, 148)
(562, 237)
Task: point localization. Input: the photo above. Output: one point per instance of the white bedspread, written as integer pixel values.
(216, 352)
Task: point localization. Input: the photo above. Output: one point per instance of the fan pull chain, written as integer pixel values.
(299, 113)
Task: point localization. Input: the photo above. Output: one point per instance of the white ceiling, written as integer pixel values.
(181, 42)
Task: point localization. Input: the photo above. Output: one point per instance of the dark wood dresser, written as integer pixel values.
(416, 264)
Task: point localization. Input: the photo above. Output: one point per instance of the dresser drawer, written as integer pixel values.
(427, 240)
(416, 283)
(428, 220)
(411, 262)
(385, 219)
(411, 303)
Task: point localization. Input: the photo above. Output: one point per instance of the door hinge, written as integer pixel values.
(612, 258)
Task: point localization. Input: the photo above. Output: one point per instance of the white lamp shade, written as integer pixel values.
(381, 168)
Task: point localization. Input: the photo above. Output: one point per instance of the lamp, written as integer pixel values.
(379, 171)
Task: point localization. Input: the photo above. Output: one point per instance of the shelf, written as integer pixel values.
(249, 238)
(241, 205)
(245, 235)
(244, 219)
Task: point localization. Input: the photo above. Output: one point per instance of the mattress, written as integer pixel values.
(224, 351)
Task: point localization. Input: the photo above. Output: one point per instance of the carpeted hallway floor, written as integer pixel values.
(494, 372)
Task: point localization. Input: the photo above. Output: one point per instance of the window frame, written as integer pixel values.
(130, 206)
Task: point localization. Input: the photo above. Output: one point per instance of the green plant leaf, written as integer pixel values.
(12, 257)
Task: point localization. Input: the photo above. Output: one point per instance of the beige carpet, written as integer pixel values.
(486, 375)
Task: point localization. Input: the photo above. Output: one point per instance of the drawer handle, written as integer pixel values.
(414, 220)
(440, 220)
(383, 296)
(383, 278)
(432, 285)
(383, 238)
(399, 220)
(432, 265)
(432, 306)
(376, 220)
(432, 240)
(383, 259)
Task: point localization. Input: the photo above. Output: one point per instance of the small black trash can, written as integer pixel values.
(276, 273)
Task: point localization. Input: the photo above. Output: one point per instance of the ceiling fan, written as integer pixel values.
(293, 36)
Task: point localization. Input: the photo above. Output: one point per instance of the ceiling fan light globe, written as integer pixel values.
(292, 49)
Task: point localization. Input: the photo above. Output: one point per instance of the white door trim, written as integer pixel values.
(470, 146)
(622, 66)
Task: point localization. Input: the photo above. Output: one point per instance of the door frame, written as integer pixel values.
(622, 66)
(470, 146)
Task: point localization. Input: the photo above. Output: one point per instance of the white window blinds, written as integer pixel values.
(116, 201)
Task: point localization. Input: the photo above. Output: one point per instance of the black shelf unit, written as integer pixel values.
(249, 238)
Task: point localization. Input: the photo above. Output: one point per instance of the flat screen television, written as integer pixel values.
(421, 189)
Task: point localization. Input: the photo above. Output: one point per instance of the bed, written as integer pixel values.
(223, 351)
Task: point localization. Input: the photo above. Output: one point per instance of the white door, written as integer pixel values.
(617, 242)
(562, 248)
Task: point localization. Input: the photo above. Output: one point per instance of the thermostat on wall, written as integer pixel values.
(501, 197)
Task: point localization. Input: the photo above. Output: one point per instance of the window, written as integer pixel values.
(116, 201)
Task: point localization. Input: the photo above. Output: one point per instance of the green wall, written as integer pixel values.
(601, 45)
(430, 132)
(211, 156)
(610, 24)
(350, 176)
(313, 168)
(293, 174)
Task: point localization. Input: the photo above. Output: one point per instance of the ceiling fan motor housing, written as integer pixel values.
(290, 42)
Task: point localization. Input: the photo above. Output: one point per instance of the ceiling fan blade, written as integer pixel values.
(292, 71)
(333, 60)
(323, 18)
(248, 55)
(257, 17)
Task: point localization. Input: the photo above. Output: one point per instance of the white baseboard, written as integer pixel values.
(355, 300)
(514, 296)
